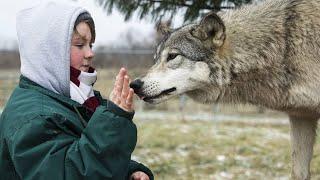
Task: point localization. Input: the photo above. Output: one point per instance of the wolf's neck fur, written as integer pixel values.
(256, 48)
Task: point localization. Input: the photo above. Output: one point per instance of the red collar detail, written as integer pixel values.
(75, 73)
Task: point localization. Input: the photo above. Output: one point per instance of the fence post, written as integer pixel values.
(215, 110)
(182, 104)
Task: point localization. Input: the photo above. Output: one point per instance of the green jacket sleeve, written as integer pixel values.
(133, 166)
(40, 150)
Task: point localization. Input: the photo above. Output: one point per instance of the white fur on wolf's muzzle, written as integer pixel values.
(183, 79)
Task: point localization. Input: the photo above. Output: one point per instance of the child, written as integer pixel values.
(55, 126)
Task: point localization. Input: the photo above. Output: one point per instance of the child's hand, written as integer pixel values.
(139, 175)
(121, 94)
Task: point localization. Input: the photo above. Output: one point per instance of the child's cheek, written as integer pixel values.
(75, 59)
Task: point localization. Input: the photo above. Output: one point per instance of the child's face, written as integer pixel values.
(81, 48)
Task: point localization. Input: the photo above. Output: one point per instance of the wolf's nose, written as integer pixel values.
(136, 85)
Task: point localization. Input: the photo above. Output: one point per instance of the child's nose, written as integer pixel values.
(89, 54)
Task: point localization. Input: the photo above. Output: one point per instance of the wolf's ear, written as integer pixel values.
(211, 26)
(164, 27)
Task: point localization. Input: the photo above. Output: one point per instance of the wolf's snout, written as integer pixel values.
(136, 85)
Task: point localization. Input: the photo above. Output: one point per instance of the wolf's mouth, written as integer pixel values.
(163, 93)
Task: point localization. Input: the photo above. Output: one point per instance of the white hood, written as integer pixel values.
(44, 34)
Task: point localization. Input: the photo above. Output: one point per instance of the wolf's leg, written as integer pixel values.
(303, 133)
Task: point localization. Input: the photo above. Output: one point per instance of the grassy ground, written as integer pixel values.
(225, 150)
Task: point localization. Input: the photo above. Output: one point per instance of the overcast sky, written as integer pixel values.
(109, 28)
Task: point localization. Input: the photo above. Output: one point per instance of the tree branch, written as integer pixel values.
(190, 5)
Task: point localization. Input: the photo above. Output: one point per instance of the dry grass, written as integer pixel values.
(207, 150)
(8, 80)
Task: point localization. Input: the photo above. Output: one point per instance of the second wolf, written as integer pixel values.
(266, 54)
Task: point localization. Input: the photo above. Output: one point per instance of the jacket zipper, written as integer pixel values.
(83, 122)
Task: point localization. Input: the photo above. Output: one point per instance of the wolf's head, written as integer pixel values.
(187, 61)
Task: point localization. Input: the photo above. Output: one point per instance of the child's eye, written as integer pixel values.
(79, 45)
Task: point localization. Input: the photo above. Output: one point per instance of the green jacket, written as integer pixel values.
(44, 135)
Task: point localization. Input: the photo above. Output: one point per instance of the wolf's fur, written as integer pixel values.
(266, 54)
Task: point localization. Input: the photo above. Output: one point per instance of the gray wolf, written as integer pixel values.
(266, 54)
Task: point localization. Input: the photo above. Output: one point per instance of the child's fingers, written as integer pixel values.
(122, 94)
(129, 101)
(116, 93)
(119, 81)
(125, 88)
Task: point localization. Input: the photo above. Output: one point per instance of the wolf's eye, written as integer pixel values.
(171, 56)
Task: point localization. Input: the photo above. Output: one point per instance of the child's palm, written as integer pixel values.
(121, 94)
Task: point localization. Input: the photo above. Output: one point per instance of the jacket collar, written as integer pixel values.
(81, 110)
(28, 84)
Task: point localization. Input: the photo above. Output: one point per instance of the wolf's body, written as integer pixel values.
(266, 54)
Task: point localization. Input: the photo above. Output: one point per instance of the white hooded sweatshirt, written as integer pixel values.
(44, 34)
